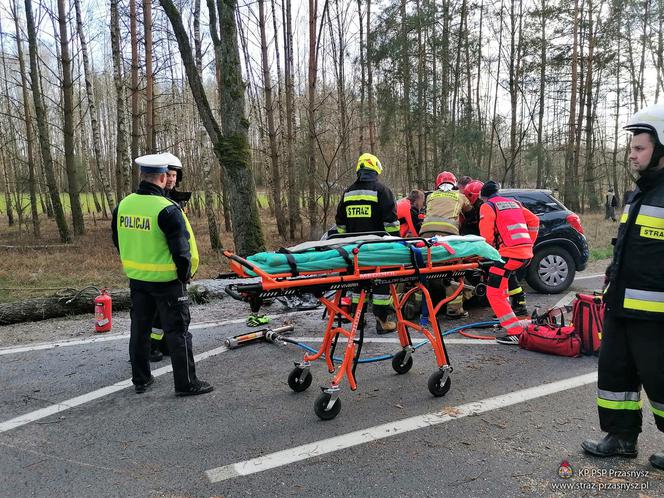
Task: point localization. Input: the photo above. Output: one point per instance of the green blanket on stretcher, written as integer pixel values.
(392, 253)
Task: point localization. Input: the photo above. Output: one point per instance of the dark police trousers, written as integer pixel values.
(170, 301)
(631, 355)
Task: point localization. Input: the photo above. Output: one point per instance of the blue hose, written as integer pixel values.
(385, 357)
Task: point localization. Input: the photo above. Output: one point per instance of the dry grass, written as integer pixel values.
(599, 233)
(90, 260)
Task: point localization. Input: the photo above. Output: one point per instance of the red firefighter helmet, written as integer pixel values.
(445, 177)
(472, 190)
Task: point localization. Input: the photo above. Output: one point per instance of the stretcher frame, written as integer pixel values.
(362, 279)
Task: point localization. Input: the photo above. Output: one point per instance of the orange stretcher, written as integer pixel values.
(360, 280)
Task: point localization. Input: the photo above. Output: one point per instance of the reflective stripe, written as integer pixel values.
(392, 229)
(657, 408)
(391, 223)
(651, 216)
(512, 325)
(618, 396)
(134, 265)
(341, 228)
(520, 236)
(619, 405)
(623, 218)
(514, 292)
(157, 337)
(654, 211)
(504, 318)
(361, 195)
(381, 302)
(644, 300)
(517, 225)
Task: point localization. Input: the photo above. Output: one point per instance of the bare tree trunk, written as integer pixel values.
(68, 120)
(96, 138)
(122, 164)
(8, 195)
(271, 130)
(420, 99)
(363, 80)
(29, 136)
(42, 127)
(542, 86)
(151, 146)
(294, 219)
(570, 187)
(135, 114)
(231, 148)
(495, 96)
(370, 99)
(312, 177)
(198, 49)
(405, 78)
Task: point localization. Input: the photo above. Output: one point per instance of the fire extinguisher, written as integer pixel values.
(103, 311)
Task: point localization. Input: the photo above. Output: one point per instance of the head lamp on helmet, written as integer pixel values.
(369, 161)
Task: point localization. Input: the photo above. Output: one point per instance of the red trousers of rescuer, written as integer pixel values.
(496, 293)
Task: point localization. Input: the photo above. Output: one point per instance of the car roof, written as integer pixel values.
(524, 190)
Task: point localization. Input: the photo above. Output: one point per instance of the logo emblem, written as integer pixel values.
(565, 471)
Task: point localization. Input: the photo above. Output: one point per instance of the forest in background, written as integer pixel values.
(284, 95)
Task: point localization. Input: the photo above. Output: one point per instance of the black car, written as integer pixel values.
(561, 248)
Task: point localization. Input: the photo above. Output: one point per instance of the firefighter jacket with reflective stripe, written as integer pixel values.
(367, 206)
(509, 226)
(409, 221)
(636, 274)
(443, 210)
(154, 237)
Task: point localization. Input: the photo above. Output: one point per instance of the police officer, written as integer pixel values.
(368, 206)
(159, 255)
(158, 345)
(512, 228)
(633, 340)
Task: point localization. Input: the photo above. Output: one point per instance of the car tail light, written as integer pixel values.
(575, 222)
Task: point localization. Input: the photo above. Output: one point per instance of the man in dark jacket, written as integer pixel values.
(632, 340)
(368, 206)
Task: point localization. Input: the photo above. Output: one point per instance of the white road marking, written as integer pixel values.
(565, 300)
(363, 436)
(91, 396)
(588, 277)
(119, 336)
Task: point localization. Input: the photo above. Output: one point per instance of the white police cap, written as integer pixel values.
(157, 163)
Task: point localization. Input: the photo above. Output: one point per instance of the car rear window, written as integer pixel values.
(538, 203)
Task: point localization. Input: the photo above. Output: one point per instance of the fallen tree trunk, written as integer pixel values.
(73, 302)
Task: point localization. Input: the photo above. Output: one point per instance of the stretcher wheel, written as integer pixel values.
(435, 386)
(299, 379)
(398, 365)
(320, 407)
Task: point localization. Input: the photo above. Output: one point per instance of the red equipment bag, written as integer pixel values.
(588, 319)
(547, 333)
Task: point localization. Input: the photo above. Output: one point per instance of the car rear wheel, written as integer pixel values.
(551, 271)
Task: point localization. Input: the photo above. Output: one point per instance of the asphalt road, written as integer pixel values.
(71, 424)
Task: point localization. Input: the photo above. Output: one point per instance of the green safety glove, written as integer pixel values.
(255, 320)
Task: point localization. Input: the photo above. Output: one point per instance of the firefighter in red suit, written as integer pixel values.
(512, 228)
(408, 213)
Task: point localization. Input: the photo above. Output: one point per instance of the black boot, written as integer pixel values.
(657, 460)
(155, 353)
(623, 445)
